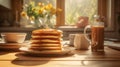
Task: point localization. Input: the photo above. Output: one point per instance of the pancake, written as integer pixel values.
(47, 51)
(45, 45)
(52, 37)
(47, 31)
(46, 39)
(45, 48)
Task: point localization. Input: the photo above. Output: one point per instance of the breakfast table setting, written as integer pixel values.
(47, 48)
(17, 55)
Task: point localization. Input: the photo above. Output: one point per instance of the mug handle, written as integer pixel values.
(85, 34)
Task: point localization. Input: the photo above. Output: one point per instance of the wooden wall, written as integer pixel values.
(9, 17)
(117, 15)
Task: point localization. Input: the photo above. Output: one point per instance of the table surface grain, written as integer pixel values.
(76, 58)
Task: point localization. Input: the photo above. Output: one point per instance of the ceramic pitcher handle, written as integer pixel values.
(85, 34)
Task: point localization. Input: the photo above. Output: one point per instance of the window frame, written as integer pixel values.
(60, 19)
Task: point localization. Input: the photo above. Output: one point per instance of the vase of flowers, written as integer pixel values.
(40, 14)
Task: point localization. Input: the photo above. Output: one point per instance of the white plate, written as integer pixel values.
(11, 46)
(43, 53)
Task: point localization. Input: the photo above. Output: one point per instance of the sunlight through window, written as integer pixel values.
(76, 8)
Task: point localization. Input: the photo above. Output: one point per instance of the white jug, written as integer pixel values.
(80, 42)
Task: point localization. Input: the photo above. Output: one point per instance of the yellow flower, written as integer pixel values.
(33, 9)
(23, 14)
(40, 11)
(40, 4)
(48, 7)
(32, 18)
(32, 3)
(53, 11)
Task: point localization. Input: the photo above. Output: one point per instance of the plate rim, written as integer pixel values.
(28, 51)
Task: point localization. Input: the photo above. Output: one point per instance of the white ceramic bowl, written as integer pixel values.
(13, 37)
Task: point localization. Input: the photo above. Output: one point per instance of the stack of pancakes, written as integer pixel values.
(46, 39)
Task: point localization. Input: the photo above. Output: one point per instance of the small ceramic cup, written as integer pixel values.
(13, 37)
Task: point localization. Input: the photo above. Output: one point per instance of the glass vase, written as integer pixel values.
(48, 23)
(27, 23)
(37, 23)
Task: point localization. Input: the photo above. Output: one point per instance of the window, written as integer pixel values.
(77, 8)
(72, 9)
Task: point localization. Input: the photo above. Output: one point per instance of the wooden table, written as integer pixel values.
(78, 58)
